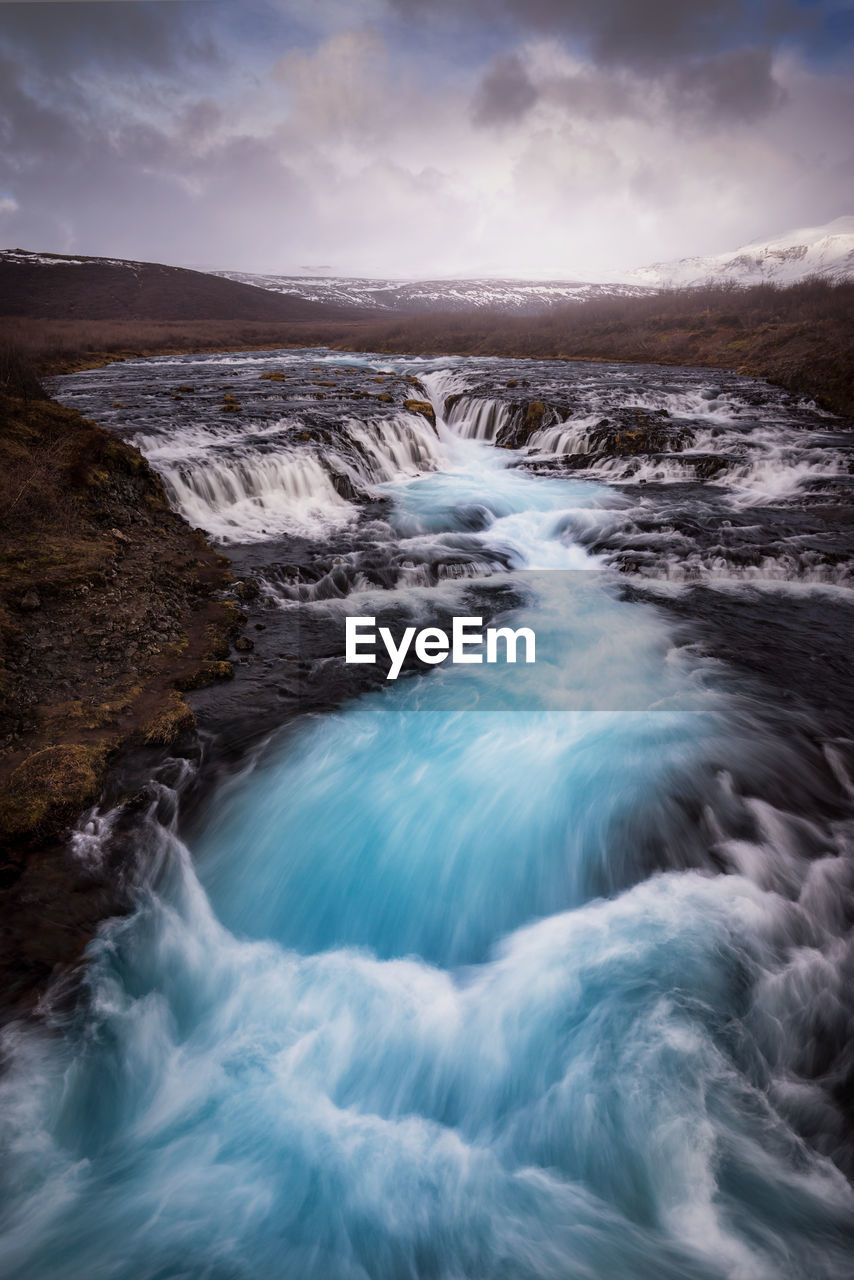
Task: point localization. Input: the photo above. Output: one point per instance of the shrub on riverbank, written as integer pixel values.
(800, 336)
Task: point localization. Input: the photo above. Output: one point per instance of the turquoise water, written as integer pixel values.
(452, 986)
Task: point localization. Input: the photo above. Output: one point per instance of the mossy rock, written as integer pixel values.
(170, 724)
(218, 646)
(526, 418)
(48, 791)
(208, 673)
(424, 407)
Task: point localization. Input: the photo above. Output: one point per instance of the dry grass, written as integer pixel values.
(800, 336)
(58, 346)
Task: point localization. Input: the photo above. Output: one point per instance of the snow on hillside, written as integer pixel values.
(62, 259)
(436, 295)
(824, 251)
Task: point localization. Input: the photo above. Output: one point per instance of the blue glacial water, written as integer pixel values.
(452, 985)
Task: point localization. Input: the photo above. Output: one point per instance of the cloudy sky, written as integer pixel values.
(567, 138)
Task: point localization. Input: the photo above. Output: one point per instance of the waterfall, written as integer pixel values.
(251, 498)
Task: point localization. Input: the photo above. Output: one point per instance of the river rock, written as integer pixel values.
(627, 432)
(424, 407)
(344, 487)
(525, 419)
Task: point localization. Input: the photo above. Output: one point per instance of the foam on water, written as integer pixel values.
(763, 464)
(251, 484)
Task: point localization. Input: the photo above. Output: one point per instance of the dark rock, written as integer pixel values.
(343, 486)
(31, 601)
(244, 645)
(628, 432)
(707, 465)
(525, 419)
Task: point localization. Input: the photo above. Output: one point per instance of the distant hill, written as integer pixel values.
(422, 296)
(60, 287)
(826, 251)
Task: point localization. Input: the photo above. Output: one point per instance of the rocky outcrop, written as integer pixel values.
(424, 407)
(626, 433)
(110, 604)
(525, 419)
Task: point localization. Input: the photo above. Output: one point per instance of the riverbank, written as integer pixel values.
(800, 338)
(110, 605)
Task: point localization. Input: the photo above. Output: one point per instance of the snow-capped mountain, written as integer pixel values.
(436, 295)
(55, 285)
(822, 251)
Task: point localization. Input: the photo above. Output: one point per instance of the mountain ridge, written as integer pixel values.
(63, 286)
(826, 251)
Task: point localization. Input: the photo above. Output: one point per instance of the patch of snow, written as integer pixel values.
(826, 251)
(434, 295)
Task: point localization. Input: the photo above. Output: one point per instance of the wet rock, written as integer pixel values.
(344, 487)
(424, 407)
(628, 432)
(708, 465)
(244, 645)
(525, 419)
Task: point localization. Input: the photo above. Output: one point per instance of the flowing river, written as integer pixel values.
(501, 972)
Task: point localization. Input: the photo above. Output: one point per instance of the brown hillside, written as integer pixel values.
(55, 287)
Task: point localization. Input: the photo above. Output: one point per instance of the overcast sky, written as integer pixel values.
(562, 138)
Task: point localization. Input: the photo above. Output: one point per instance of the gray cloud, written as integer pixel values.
(63, 37)
(597, 94)
(355, 146)
(737, 86)
(505, 93)
(702, 92)
(634, 31)
(651, 33)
